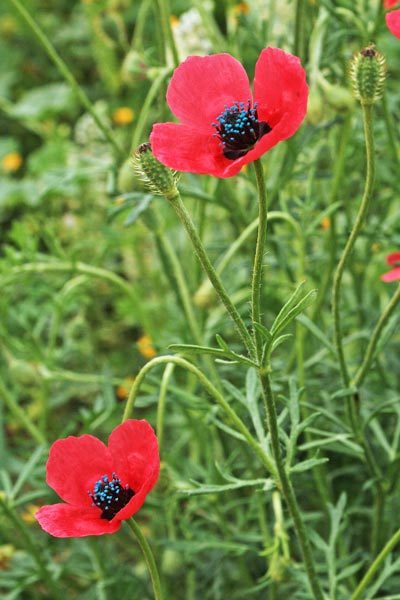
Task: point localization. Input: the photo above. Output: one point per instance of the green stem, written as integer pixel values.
(287, 488)
(66, 73)
(369, 183)
(183, 293)
(161, 403)
(298, 45)
(259, 255)
(165, 13)
(214, 393)
(394, 540)
(216, 282)
(37, 555)
(149, 558)
(337, 182)
(142, 120)
(20, 415)
(370, 352)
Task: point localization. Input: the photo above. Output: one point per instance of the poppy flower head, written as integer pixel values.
(223, 125)
(101, 486)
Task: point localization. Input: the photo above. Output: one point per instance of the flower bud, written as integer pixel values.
(368, 74)
(157, 177)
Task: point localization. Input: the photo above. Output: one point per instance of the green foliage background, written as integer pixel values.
(85, 271)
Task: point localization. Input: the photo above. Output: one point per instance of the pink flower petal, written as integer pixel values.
(393, 22)
(74, 466)
(392, 275)
(202, 85)
(65, 520)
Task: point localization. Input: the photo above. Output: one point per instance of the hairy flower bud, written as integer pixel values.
(157, 177)
(368, 74)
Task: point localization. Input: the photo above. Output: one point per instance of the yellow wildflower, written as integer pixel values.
(145, 347)
(28, 516)
(325, 223)
(11, 162)
(122, 391)
(123, 115)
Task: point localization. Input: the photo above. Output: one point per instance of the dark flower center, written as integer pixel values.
(110, 496)
(239, 129)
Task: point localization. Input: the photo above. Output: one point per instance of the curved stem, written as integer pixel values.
(214, 393)
(259, 255)
(370, 352)
(216, 282)
(287, 489)
(149, 558)
(394, 540)
(66, 73)
(369, 183)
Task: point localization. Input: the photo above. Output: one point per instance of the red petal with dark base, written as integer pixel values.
(74, 466)
(201, 85)
(281, 92)
(134, 448)
(65, 520)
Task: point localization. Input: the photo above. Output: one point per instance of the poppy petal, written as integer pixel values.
(64, 520)
(389, 3)
(74, 466)
(134, 448)
(185, 148)
(393, 22)
(393, 258)
(202, 85)
(392, 275)
(138, 499)
(280, 91)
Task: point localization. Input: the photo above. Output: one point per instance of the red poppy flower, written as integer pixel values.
(393, 260)
(393, 22)
(222, 125)
(389, 3)
(101, 485)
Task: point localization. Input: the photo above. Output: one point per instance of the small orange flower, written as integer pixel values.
(241, 9)
(12, 161)
(145, 347)
(122, 391)
(325, 223)
(123, 115)
(174, 21)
